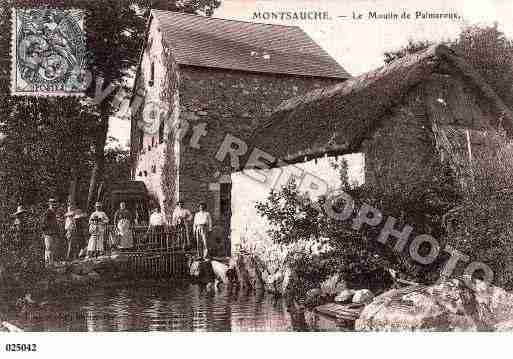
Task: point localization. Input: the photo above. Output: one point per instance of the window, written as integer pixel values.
(154, 169)
(145, 174)
(153, 141)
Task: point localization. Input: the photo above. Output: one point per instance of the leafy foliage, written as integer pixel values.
(294, 217)
(410, 48)
(482, 225)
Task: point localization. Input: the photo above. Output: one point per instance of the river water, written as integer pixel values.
(152, 306)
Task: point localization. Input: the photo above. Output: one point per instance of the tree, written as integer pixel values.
(490, 52)
(51, 140)
(486, 48)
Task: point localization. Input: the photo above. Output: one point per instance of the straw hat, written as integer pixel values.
(19, 211)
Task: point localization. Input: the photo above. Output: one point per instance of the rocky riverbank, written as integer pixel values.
(450, 305)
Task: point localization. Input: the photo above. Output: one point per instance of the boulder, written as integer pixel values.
(363, 296)
(345, 296)
(450, 305)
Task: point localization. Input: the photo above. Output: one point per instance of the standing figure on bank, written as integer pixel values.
(155, 228)
(20, 227)
(69, 228)
(79, 234)
(202, 229)
(98, 230)
(50, 229)
(181, 221)
(123, 221)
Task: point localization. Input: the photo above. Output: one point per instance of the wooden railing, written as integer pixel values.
(155, 254)
(169, 264)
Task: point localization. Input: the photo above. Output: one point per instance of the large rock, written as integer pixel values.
(363, 296)
(449, 305)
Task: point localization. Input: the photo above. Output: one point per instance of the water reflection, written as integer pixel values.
(160, 307)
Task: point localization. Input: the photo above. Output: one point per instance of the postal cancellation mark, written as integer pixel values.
(48, 52)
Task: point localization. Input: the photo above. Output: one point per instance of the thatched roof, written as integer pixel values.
(336, 119)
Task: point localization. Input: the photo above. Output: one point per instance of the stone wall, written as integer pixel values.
(152, 151)
(228, 103)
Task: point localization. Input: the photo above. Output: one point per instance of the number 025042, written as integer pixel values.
(21, 347)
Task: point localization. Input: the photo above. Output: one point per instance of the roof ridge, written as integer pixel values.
(224, 19)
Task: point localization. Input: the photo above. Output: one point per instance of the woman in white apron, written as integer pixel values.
(123, 221)
(97, 228)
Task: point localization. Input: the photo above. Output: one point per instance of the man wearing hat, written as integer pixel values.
(50, 231)
(98, 230)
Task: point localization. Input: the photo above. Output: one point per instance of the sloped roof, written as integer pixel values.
(228, 44)
(335, 120)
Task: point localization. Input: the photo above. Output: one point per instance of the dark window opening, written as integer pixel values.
(145, 174)
(153, 141)
(140, 174)
(161, 132)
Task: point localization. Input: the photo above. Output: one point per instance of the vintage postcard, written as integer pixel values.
(255, 166)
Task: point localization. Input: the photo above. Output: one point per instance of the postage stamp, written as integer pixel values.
(48, 52)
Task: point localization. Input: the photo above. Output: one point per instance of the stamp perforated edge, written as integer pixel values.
(13, 49)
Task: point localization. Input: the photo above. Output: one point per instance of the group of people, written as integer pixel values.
(84, 236)
(88, 236)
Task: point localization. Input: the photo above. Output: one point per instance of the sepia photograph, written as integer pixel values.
(255, 166)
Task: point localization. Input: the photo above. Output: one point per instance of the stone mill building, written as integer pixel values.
(201, 79)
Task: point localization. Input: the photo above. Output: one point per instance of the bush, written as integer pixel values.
(21, 261)
(294, 218)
